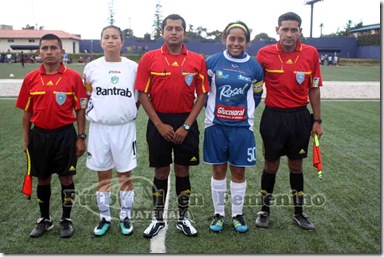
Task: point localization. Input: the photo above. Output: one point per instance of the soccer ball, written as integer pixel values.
(11, 75)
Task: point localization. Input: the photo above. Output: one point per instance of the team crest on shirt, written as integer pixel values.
(61, 97)
(114, 80)
(188, 79)
(300, 77)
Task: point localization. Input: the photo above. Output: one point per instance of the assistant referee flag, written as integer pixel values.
(27, 185)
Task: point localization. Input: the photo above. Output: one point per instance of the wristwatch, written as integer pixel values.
(82, 136)
(318, 120)
(186, 127)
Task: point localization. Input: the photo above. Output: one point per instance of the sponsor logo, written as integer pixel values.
(228, 92)
(114, 91)
(230, 112)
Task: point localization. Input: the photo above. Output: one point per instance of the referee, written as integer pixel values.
(48, 98)
(168, 80)
(292, 78)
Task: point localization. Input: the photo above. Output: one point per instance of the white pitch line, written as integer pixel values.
(158, 242)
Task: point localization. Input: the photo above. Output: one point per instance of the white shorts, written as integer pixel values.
(112, 146)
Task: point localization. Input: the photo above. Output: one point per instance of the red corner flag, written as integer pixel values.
(27, 185)
(317, 162)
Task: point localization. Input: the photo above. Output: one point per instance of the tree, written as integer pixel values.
(216, 35)
(264, 37)
(111, 17)
(128, 34)
(157, 22)
(28, 27)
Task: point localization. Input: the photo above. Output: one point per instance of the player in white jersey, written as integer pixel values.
(112, 110)
(236, 82)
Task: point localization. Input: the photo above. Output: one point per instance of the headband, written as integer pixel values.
(237, 25)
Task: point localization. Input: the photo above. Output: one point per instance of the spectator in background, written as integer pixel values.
(9, 57)
(22, 59)
(65, 57)
(335, 60)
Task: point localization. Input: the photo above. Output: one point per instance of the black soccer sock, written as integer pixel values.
(297, 186)
(267, 185)
(183, 191)
(67, 198)
(44, 197)
(159, 195)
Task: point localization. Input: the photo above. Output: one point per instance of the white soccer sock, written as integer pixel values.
(126, 199)
(103, 199)
(218, 188)
(237, 197)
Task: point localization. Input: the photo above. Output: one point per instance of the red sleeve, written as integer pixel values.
(317, 80)
(80, 93)
(143, 77)
(203, 84)
(23, 100)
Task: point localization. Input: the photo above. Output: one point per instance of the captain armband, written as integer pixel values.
(258, 87)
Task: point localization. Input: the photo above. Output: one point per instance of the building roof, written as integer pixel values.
(35, 34)
(365, 28)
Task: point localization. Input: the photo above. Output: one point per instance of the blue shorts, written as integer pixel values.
(236, 145)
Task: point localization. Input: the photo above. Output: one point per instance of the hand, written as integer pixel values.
(317, 129)
(180, 135)
(80, 147)
(166, 131)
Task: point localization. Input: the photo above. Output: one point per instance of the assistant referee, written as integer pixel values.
(48, 98)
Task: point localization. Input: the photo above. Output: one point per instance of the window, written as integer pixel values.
(31, 40)
(10, 40)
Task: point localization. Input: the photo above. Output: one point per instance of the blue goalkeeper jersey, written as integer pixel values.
(236, 88)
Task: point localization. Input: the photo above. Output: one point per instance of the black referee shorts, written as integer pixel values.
(285, 132)
(53, 151)
(160, 150)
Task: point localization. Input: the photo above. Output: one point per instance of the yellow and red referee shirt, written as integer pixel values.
(288, 76)
(172, 80)
(52, 97)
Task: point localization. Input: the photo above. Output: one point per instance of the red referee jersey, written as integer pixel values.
(52, 97)
(288, 76)
(172, 80)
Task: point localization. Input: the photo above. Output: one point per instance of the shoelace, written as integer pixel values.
(240, 219)
(102, 223)
(217, 219)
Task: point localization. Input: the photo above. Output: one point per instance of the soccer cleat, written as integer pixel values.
(102, 228)
(66, 228)
(153, 228)
(238, 223)
(302, 220)
(217, 223)
(126, 226)
(186, 227)
(262, 220)
(43, 225)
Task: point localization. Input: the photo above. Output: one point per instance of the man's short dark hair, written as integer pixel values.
(174, 17)
(51, 37)
(289, 16)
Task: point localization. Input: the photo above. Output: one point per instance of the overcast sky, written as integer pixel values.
(88, 17)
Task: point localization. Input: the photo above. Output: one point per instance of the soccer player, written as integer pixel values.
(168, 80)
(292, 79)
(236, 87)
(112, 110)
(48, 98)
